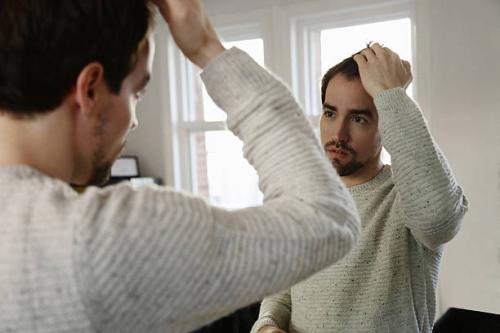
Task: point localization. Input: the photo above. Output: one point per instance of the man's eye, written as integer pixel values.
(359, 120)
(328, 113)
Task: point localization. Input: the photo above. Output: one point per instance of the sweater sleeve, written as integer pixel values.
(275, 311)
(432, 202)
(153, 257)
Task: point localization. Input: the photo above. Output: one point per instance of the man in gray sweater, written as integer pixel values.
(408, 209)
(147, 260)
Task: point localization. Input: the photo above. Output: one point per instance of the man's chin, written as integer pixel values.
(346, 169)
(100, 176)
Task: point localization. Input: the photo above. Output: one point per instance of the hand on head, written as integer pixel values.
(191, 30)
(381, 69)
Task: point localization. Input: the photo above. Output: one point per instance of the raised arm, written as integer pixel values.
(157, 257)
(433, 204)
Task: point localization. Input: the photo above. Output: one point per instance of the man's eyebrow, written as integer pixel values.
(144, 82)
(329, 107)
(363, 112)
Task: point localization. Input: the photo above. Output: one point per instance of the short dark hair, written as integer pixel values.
(44, 45)
(347, 67)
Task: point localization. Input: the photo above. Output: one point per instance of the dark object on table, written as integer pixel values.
(467, 321)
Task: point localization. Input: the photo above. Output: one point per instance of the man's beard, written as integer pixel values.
(351, 166)
(346, 169)
(101, 169)
(100, 174)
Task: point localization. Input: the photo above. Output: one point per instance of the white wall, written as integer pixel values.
(458, 60)
(465, 120)
(151, 141)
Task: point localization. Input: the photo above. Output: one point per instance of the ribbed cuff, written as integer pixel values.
(394, 98)
(265, 321)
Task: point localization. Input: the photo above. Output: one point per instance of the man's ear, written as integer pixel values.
(90, 86)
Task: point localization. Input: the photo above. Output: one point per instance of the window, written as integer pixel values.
(337, 43)
(219, 171)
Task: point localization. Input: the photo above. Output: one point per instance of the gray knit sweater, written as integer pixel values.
(388, 282)
(153, 260)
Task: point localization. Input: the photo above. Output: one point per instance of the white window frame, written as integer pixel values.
(181, 89)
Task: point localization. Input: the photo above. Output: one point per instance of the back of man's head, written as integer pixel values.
(44, 44)
(347, 67)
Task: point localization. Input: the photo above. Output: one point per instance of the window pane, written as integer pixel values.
(221, 172)
(206, 110)
(339, 43)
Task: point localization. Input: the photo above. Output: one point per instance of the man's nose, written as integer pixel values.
(341, 131)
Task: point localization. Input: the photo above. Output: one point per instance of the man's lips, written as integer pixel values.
(336, 151)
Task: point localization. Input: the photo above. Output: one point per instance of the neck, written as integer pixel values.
(34, 142)
(366, 173)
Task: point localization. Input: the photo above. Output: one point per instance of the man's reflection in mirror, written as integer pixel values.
(408, 209)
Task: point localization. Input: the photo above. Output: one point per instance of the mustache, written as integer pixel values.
(340, 144)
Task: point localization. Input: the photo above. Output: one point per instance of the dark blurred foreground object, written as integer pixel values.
(467, 321)
(240, 321)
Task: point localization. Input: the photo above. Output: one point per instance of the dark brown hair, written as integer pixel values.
(44, 44)
(347, 67)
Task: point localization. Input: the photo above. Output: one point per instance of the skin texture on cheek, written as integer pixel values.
(111, 129)
(117, 117)
(101, 170)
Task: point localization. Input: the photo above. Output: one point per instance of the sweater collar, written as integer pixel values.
(373, 183)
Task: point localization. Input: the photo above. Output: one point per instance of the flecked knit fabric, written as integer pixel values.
(154, 260)
(388, 282)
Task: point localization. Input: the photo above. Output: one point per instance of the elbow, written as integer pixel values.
(441, 233)
(441, 223)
